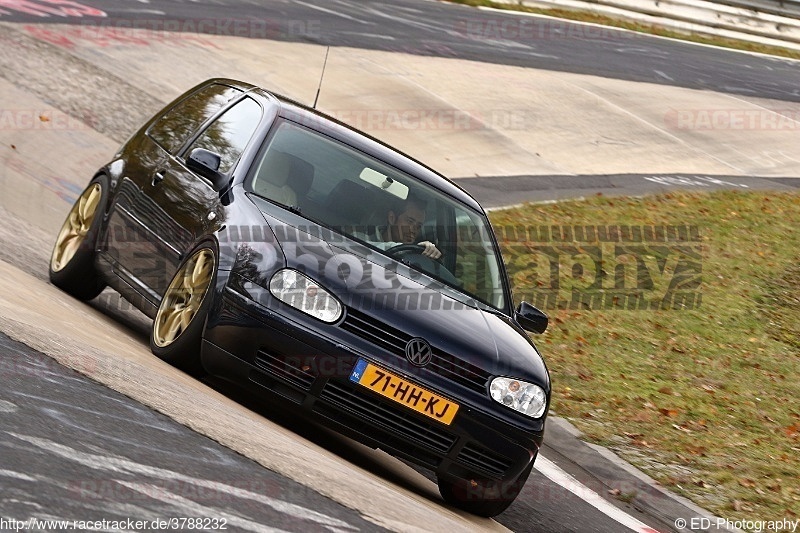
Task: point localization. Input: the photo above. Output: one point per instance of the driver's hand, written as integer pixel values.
(430, 250)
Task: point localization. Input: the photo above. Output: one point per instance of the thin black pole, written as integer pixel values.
(327, 50)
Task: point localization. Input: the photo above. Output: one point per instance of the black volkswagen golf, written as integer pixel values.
(286, 252)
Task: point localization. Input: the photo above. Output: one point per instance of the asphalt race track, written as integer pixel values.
(438, 29)
(137, 463)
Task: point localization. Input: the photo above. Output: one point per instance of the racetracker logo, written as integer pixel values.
(786, 119)
(42, 119)
(430, 119)
(536, 29)
(192, 31)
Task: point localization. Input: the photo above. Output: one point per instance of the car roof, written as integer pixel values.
(292, 110)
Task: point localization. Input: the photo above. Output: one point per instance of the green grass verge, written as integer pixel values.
(585, 16)
(704, 400)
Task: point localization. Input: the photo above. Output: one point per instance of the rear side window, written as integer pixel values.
(229, 134)
(173, 129)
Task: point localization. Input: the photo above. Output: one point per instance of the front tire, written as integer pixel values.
(72, 263)
(483, 497)
(178, 326)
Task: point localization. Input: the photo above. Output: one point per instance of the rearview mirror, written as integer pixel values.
(531, 318)
(206, 163)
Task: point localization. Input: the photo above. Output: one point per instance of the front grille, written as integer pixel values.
(479, 458)
(376, 332)
(389, 416)
(394, 340)
(289, 369)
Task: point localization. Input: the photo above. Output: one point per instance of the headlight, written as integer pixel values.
(523, 397)
(299, 291)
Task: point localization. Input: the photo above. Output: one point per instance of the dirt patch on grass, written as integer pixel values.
(781, 306)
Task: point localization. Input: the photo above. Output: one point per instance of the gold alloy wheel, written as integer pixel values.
(183, 298)
(75, 228)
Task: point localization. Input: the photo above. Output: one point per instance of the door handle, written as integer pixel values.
(158, 177)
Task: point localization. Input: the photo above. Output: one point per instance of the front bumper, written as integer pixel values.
(269, 349)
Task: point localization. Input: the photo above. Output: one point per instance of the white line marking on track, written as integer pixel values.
(658, 72)
(192, 508)
(786, 112)
(145, 12)
(17, 475)
(368, 35)
(658, 128)
(332, 12)
(555, 474)
(118, 464)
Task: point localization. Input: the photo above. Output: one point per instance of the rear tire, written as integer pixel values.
(486, 498)
(178, 327)
(72, 263)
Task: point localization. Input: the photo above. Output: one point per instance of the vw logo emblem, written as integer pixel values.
(418, 352)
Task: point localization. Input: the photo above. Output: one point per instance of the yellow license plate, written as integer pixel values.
(403, 392)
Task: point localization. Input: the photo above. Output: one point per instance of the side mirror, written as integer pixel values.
(531, 318)
(206, 163)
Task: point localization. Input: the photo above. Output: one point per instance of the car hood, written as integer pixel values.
(397, 297)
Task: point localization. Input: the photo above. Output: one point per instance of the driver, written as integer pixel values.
(403, 227)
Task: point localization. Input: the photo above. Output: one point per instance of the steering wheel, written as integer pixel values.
(411, 254)
(402, 250)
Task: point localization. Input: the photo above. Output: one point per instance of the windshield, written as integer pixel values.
(341, 188)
